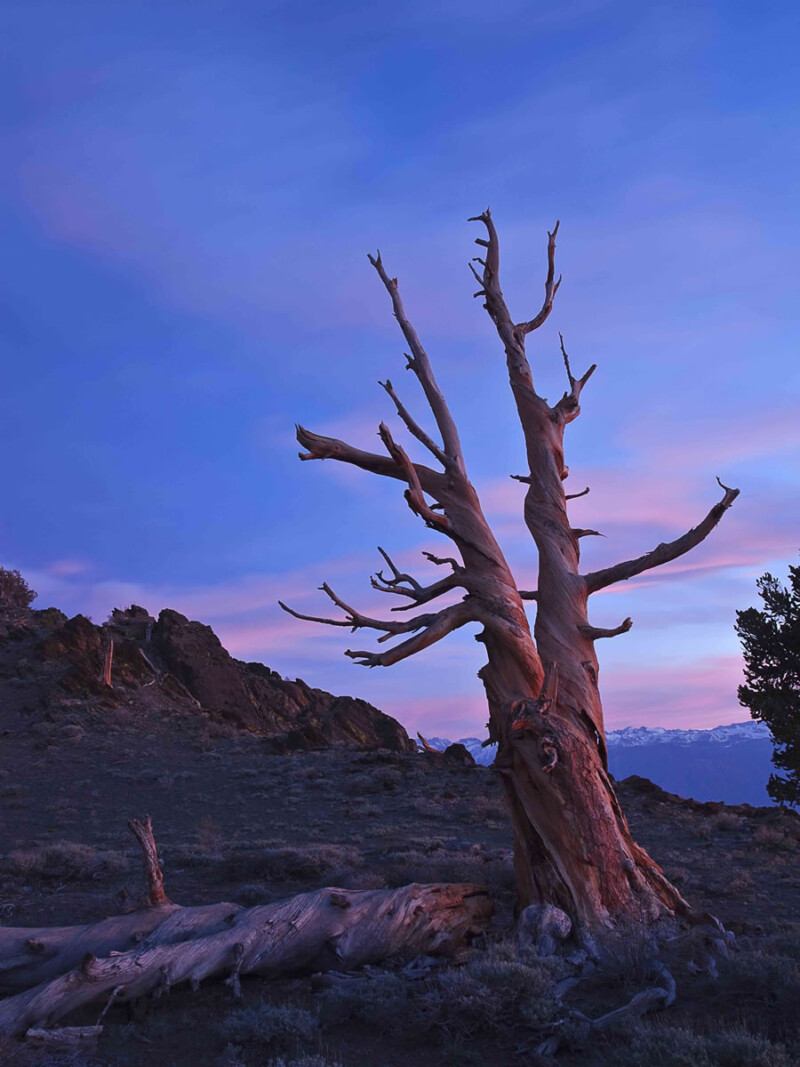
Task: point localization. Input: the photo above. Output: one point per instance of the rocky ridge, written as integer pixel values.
(173, 665)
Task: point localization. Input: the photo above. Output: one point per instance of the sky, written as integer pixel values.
(188, 196)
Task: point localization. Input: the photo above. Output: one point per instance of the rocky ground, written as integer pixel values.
(237, 820)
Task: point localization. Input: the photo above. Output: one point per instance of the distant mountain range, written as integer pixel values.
(730, 763)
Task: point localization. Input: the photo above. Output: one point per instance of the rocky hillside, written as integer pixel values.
(166, 666)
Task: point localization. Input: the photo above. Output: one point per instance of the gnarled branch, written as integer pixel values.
(663, 553)
(419, 363)
(426, 747)
(490, 282)
(413, 426)
(495, 304)
(332, 448)
(443, 623)
(596, 632)
(568, 406)
(356, 621)
(394, 584)
(419, 594)
(415, 497)
(550, 287)
(440, 561)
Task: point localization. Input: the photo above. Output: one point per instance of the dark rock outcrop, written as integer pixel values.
(173, 664)
(256, 698)
(459, 754)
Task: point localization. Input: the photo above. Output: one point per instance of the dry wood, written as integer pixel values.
(426, 747)
(572, 845)
(65, 1038)
(108, 659)
(329, 928)
(142, 830)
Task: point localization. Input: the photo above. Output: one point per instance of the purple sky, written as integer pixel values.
(188, 196)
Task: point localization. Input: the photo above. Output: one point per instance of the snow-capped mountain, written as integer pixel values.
(730, 763)
(734, 733)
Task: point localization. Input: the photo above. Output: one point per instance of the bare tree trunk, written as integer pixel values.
(572, 845)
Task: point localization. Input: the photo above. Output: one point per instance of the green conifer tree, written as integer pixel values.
(771, 642)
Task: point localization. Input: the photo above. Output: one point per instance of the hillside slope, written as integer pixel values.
(52, 673)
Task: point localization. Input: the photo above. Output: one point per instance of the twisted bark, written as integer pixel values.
(329, 928)
(573, 848)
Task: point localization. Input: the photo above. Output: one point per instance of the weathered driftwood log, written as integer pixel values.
(52, 971)
(329, 928)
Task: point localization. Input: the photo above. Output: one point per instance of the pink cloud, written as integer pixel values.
(453, 715)
(695, 694)
(65, 568)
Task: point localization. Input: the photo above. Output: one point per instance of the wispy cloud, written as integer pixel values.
(698, 693)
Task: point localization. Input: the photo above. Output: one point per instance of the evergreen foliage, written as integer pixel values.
(771, 642)
(14, 590)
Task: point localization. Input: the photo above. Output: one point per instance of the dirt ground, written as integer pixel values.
(234, 822)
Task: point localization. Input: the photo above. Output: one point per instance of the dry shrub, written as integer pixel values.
(775, 839)
(17, 1054)
(304, 1061)
(741, 883)
(762, 979)
(308, 864)
(649, 1045)
(275, 1027)
(383, 1002)
(67, 861)
(497, 990)
(209, 837)
(482, 808)
(469, 864)
(726, 820)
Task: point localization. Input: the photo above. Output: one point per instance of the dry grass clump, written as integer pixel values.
(466, 863)
(379, 780)
(304, 1061)
(487, 807)
(66, 861)
(16, 1054)
(649, 1045)
(764, 982)
(727, 820)
(277, 1028)
(498, 990)
(775, 838)
(309, 864)
(384, 1002)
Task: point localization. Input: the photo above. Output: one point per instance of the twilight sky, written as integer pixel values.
(187, 197)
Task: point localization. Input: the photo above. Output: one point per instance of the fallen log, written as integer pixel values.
(328, 928)
(51, 972)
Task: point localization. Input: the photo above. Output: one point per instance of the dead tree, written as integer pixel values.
(572, 845)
